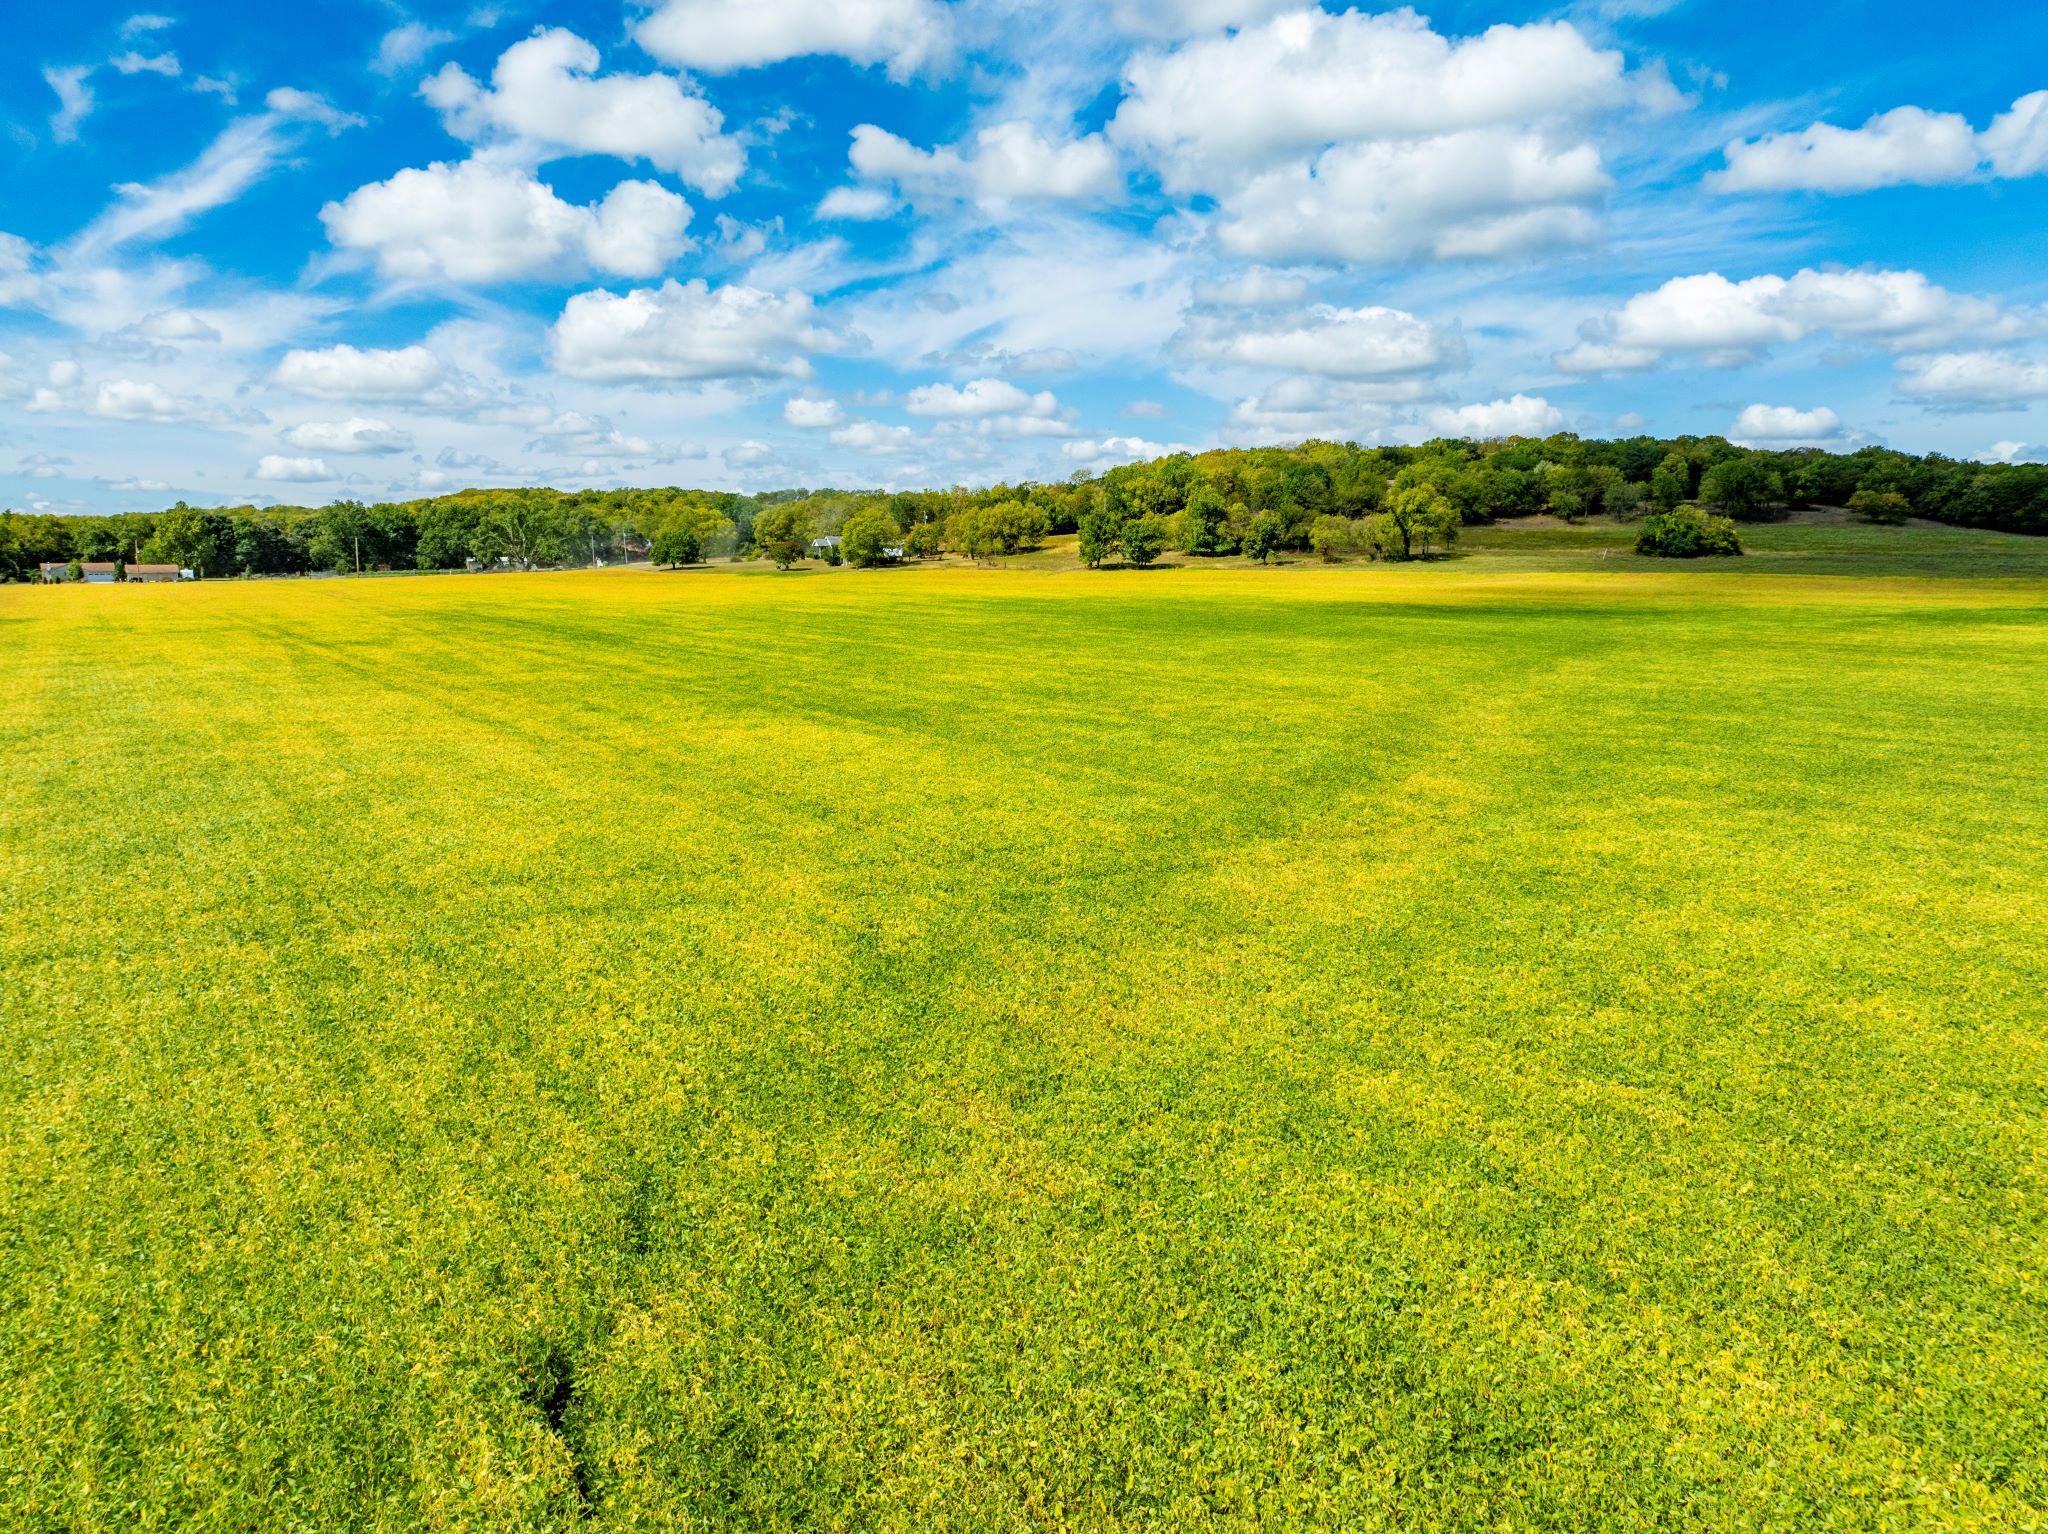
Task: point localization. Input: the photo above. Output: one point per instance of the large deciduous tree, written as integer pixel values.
(783, 533)
(1101, 530)
(195, 540)
(865, 536)
(1420, 515)
(1144, 539)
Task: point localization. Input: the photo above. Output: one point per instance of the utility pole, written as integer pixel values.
(359, 553)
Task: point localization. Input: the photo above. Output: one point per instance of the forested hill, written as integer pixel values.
(1204, 503)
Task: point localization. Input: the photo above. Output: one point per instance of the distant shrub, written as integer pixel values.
(1884, 506)
(1687, 533)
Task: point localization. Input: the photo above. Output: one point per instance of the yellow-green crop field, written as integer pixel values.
(1361, 1048)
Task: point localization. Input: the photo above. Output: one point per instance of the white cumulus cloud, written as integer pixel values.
(857, 204)
(1372, 342)
(1009, 162)
(1785, 426)
(546, 97)
(357, 434)
(1522, 416)
(1726, 322)
(874, 437)
(976, 398)
(1361, 137)
(128, 399)
(1907, 146)
(1093, 452)
(409, 373)
(291, 471)
(812, 412)
(1994, 380)
(687, 332)
(479, 222)
(2016, 143)
(1479, 193)
(721, 35)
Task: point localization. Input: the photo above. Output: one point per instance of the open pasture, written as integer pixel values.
(1427, 1048)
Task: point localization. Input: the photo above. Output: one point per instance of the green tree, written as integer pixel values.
(1144, 539)
(1330, 536)
(923, 540)
(195, 540)
(690, 512)
(1016, 525)
(1101, 530)
(1671, 482)
(1887, 507)
(1262, 538)
(783, 533)
(1203, 520)
(1571, 491)
(1438, 528)
(1625, 501)
(1419, 513)
(972, 533)
(448, 534)
(865, 535)
(27, 542)
(677, 544)
(1515, 492)
(1827, 480)
(1740, 487)
(337, 539)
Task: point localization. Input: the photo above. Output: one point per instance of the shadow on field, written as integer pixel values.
(553, 1394)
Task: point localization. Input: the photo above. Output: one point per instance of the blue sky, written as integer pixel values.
(372, 250)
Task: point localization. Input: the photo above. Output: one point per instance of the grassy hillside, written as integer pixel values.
(1438, 1048)
(1817, 542)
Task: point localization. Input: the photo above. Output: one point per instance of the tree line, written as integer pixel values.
(1334, 498)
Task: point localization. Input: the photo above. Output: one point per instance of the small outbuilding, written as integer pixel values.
(101, 573)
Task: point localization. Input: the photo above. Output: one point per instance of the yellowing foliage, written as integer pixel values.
(1352, 1048)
